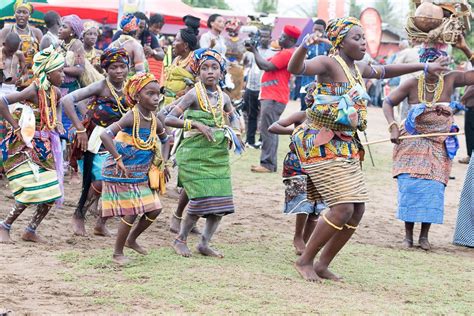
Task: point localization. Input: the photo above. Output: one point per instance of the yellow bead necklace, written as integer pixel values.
(150, 143)
(422, 88)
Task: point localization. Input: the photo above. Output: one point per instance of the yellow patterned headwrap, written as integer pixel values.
(44, 62)
(91, 25)
(134, 85)
(338, 29)
(23, 4)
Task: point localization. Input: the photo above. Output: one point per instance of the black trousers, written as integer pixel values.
(252, 105)
(469, 129)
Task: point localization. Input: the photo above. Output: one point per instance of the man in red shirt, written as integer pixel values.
(274, 94)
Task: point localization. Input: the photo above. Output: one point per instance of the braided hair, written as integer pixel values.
(190, 33)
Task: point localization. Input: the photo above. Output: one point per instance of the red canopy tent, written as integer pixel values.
(106, 11)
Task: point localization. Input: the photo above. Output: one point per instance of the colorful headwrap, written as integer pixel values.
(337, 29)
(203, 54)
(44, 62)
(113, 55)
(135, 84)
(89, 25)
(23, 4)
(429, 54)
(75, 23)
(129, 23)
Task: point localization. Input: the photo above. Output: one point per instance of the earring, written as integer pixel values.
(72, 34)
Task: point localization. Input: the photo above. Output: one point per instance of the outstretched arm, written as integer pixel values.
(284, 126)
(261, 62)
(390, 71)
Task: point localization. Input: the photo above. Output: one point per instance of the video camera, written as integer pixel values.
(253, 35)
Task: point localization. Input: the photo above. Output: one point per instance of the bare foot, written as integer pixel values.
(181, 248)
(5, 236)
(33, 237)
(175, 225)
(208, 251)
(133, 245)
(324, 273)
(424, 243)
(75, 178)
(121, 260)
(307, 272)
(102, 230)
(195, 230)
(407, 243)
(299, 245)
(78, 226)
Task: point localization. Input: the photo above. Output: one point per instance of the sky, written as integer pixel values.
(290, 7)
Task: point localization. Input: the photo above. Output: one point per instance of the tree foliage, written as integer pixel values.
(214, 4)
(266, 6)
(388, 13)
(458, 55)
(354, 9)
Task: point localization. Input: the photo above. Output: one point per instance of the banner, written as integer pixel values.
(372, 25)
(330, 9)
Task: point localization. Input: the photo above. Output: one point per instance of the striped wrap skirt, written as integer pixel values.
(33, 186)
(336, 181)
(128, 199)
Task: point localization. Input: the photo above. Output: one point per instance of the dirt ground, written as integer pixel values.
(31, 279)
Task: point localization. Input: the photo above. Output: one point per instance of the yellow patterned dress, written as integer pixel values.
(327, 143)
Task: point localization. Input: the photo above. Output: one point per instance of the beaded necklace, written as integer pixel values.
(182, 63)
(353, 78)
(148, 144)
(118, 99)
(48, 112)
(206, 105)
(422, 88)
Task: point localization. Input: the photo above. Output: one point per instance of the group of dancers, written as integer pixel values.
(123, 142)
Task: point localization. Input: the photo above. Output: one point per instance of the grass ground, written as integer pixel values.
(75, 275)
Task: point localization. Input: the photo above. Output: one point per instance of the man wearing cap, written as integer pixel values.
(274, 94)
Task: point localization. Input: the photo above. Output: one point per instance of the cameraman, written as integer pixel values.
(252, 88)
(274, 94)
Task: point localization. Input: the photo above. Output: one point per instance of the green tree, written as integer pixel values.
(266, 6)
(354, 9)
(469, 36)
(214, 4)
(388, 13)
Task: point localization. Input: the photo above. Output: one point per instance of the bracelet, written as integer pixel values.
(392, 124)
(472, 57)
(389, 101)
(426, 68)
(302, 70)
(187, 125)
(162, 132)
(382, 76)
(16, 130)
(165, 140)
(81, 131)
(118, 158)
(5, 100)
